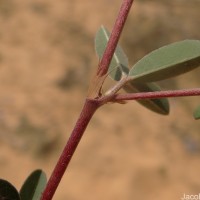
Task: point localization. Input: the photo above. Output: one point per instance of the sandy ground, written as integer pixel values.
(46, 61)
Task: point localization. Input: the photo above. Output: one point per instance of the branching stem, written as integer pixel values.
(156, 95)
(90, 106)
(95, 100)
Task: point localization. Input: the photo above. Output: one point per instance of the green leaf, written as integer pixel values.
(8, 191)
(167, 62)
(119, 62)
(160, 106)
(197, 113)
(33, 186)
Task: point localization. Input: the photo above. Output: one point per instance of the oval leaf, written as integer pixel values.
(119, 62)
(167, 62)
(8, 191)
(33, 186)
(160, 106)
(197, 113)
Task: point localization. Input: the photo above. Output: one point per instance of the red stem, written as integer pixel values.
(88, 110)
(114, 37)
(155, 95)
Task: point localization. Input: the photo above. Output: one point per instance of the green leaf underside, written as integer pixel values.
(119, 62)
(167, 61)
(33, 186)
(197, 113)
(8, 191)
(160, 106)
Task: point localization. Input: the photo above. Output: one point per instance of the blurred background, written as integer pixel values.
(47, 58)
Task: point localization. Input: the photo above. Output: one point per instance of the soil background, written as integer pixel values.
(47, 58)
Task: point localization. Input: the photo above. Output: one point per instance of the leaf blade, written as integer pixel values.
(33, 186)
(119, 62)
(160, 106)
(8, 191)
(196, 113)
(167, 62)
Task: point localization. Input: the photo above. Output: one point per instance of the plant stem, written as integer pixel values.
(92, 103)
(155, 95)
(98, 80)
(114, 37)
(88, 110)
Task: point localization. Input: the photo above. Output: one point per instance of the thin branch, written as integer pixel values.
(156, 95)
(114, 37)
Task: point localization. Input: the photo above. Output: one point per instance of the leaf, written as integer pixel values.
(197, 113)
(33, 186)
(167, 61)
(119, 62)
(160, 106)
(8, 191)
